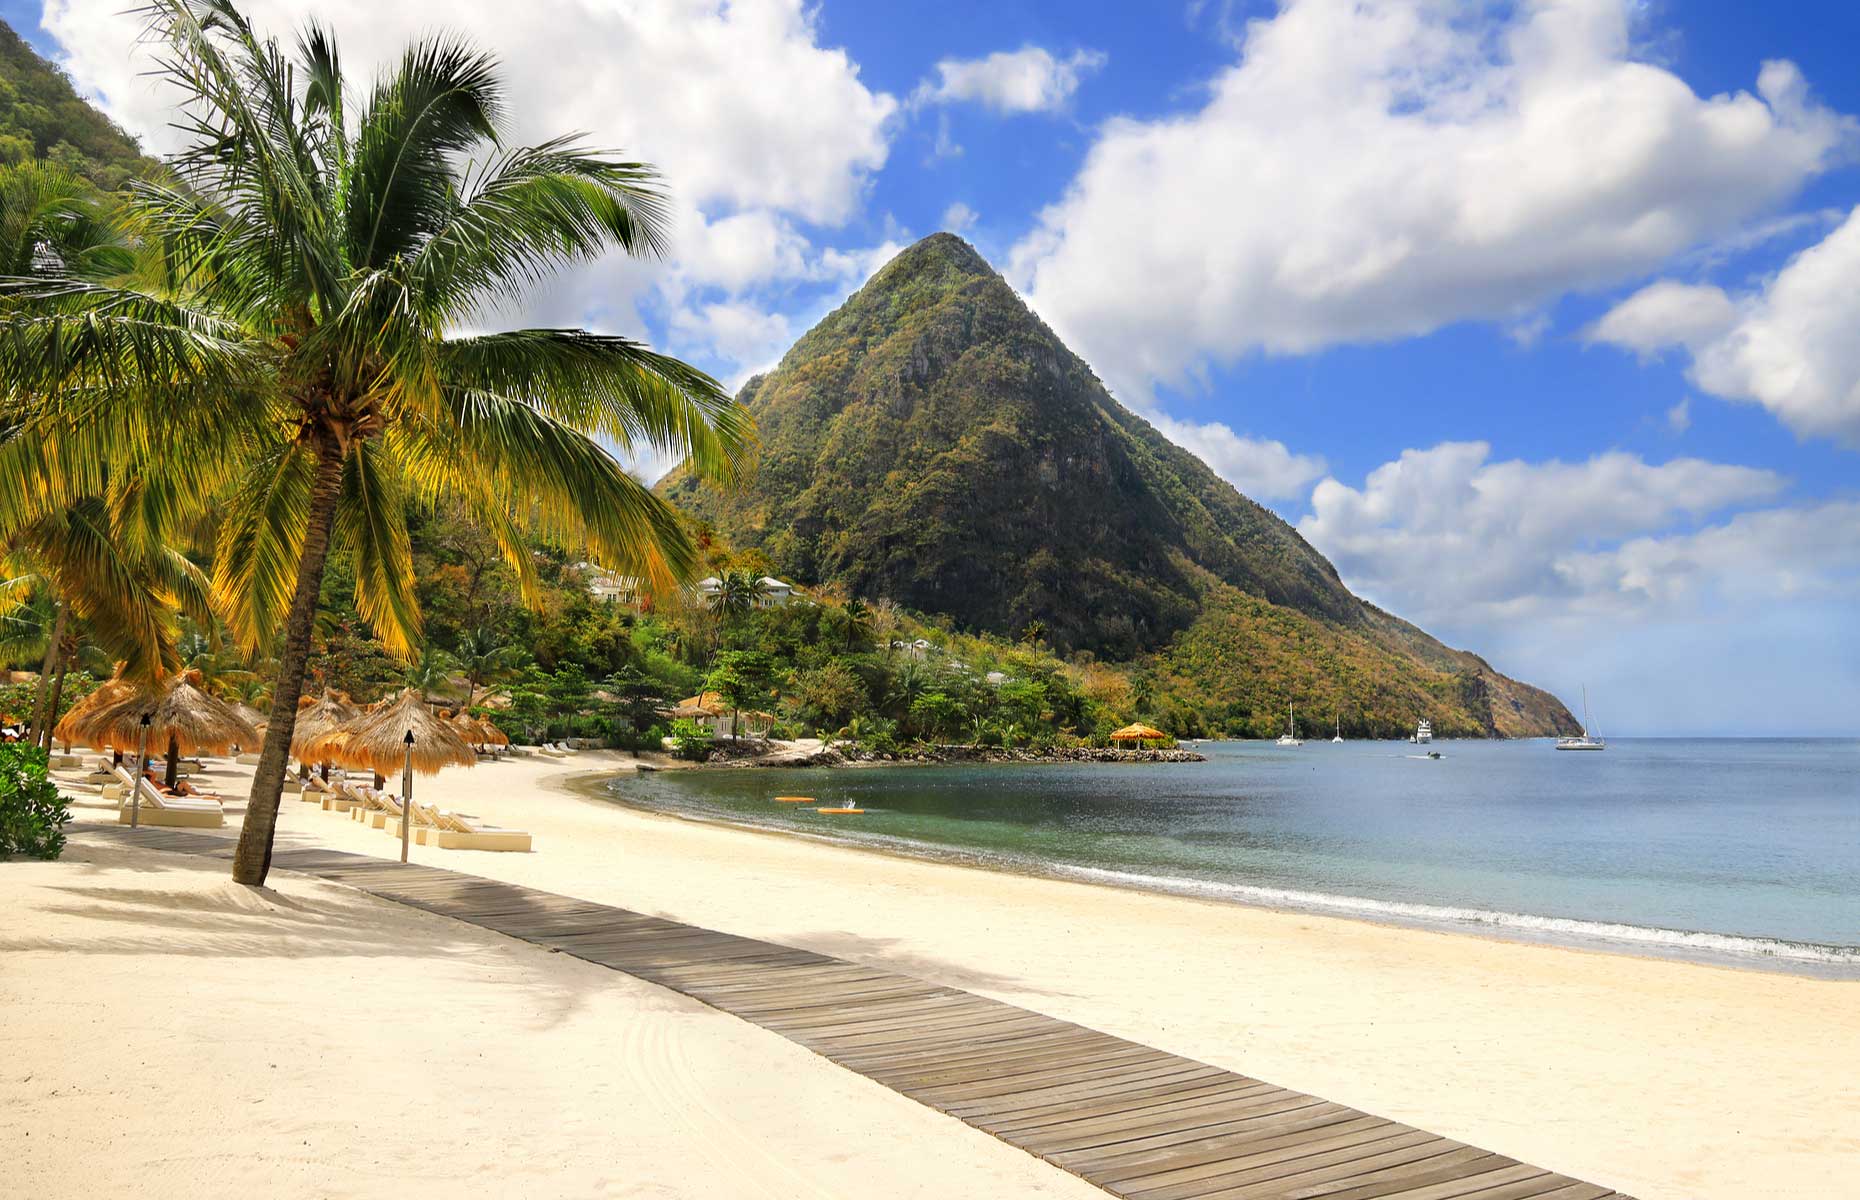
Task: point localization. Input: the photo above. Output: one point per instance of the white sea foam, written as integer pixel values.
(1684, 941)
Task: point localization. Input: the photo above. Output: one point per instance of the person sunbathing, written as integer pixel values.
(181, 786)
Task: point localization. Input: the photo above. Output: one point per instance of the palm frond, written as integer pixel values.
(444, 99)
(609, 386)
(372, 524)
(529, 213)
(260, 543)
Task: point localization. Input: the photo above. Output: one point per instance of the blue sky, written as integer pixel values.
(1533, 317)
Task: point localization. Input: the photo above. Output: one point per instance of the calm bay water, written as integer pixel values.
(1743, 850)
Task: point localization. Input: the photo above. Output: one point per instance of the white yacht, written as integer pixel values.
(1290, 736)
(1423, 733)
(1587, 741)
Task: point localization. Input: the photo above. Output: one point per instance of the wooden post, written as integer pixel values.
(142, 766)
(406, 799)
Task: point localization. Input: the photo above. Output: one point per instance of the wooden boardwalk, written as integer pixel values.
(1131, 1119)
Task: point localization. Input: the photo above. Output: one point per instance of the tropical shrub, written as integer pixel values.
(32, 813)
(691, 741)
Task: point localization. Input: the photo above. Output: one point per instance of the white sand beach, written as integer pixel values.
(164, 999)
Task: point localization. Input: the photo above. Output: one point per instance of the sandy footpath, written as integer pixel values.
(1664, 1079)
(166, 1033)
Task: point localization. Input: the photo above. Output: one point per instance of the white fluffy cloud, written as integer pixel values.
(1446, 536)
(1643, 581)
(1027, 80)
(683, 84)
(1371, 169)
(1792, 346)
(958, 217)
(1260, 467)
(1666, 314)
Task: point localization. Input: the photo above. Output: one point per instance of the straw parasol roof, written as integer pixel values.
(373, 740)
(184, 715)
(1138, 732)
(74, 729)
(479, 732)
(317, 719)
(253, 717)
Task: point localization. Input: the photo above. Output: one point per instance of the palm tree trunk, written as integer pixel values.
(172, 775)
(51, 707)
(41, 717)
(252, 860)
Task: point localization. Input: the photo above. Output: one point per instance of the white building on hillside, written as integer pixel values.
(774, 592)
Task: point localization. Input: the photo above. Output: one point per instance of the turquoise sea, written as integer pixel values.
(1744, 851)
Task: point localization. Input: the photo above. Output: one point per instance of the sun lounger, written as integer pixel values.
(456, 831)
(191, 812)
(377, 809)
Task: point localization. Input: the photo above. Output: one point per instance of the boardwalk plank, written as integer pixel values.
(1139, 1122)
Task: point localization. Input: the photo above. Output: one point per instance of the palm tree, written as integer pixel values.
(858, 623)
(736, 595)
(100, 556)
(290, 349)
(106, 565)
(485, 661)
(431, 673)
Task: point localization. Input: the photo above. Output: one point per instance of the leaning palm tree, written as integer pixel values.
(293, 351)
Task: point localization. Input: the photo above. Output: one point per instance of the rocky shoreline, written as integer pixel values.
(828, 756)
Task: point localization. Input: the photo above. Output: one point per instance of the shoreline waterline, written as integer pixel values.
(1812, 960)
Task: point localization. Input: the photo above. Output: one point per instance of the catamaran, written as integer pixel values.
(1339, 736)
(1587, 741)
(1290, 736)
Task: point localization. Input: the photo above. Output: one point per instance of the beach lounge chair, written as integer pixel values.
(423, 818)
(189, 812)
(456, 831)
(548, 750)
(378, 809)
(343, 797)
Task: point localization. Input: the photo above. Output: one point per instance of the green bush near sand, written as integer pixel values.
(32, 813)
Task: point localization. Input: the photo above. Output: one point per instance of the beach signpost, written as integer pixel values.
(406, 797)
(142, 769)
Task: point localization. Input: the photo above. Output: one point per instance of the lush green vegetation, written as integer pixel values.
(823, 665)
(43, 119)
(32, 813)
(283, 365)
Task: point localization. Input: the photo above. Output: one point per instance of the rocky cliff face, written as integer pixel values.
(932, 441)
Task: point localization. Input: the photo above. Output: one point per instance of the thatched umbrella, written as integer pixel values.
(317, 719)
(376, 741)
(75, 729)
(478, 731)
(253, 717)
(1138, 733)
(183, 717)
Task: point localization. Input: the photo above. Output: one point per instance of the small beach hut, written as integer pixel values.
(1139, 733)
(182, 717)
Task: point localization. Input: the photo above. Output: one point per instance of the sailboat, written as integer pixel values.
(1339, 736)
(1587, 741)
(1290, 736)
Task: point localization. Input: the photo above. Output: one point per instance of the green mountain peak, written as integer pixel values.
(932, 441)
